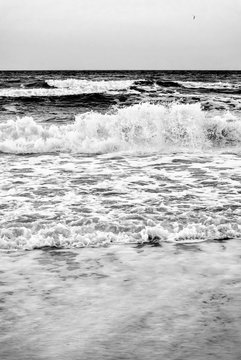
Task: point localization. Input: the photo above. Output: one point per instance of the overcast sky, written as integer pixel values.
(120, 34)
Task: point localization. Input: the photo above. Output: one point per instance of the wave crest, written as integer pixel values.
(67, 87)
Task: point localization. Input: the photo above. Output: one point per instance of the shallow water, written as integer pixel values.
(122, 302)
(74, 201)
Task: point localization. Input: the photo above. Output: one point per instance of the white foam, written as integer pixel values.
(89, 86)
(63, 236)
(58, 235)
(139, 127)
(192, 233)
(69, 87)
(210, 85)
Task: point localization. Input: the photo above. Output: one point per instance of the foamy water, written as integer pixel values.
(69, 201)
(138, 127)
(220, 85)
(67, 87)
(162, 176)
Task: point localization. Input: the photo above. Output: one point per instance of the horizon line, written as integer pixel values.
(2, 70)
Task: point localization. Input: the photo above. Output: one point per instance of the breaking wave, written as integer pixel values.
(209, 85)
(225, 87)
(61, 235)
(139, 127)
(66, 87)
(91, 86)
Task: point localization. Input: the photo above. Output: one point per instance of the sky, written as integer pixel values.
(120, 34)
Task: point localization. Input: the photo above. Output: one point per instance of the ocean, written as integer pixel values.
(120, 196)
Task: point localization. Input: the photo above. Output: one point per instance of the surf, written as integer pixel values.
(144, 127)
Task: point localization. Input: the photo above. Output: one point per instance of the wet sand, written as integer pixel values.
(122, 302)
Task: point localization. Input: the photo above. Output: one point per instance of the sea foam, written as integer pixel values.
(219, 85)
(60, 235)
(68, 87)
(139, 127)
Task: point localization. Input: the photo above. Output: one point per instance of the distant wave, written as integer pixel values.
(88, 99)
(36, 85)
(139, 127)
(65, 88)
(218, 87)
(91, 85)
(210, 85)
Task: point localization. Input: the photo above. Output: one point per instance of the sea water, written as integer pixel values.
(120, 230)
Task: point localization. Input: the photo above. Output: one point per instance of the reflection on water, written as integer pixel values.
(122, 302)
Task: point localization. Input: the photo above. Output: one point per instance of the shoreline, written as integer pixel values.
(122, 302)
